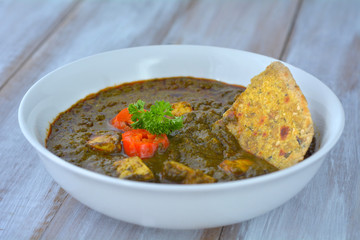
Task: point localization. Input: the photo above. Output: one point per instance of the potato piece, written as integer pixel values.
(236, 167)
(181, 108)
(179, 173)
(107, 143)
(271, 118)
(133, 168)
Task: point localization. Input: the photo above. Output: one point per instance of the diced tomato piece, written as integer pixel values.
(141, 143)
(122, 120)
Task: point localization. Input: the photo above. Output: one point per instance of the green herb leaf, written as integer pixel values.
(158, 120)
(137, 111)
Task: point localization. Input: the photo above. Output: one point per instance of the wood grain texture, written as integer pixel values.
(256, 26)
(329, 207)
(24, 26)
(72, 222)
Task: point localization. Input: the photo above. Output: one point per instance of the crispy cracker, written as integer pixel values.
(271, 118)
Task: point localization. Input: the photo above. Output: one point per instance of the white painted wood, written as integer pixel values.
(76, 221)
(256, 26)
(324, 41)
(24, 25)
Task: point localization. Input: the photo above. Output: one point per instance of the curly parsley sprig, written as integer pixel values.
(159, 120)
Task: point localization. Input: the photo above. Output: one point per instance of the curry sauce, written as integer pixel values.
(199, 145)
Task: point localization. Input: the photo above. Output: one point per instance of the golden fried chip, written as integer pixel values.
(271, 118)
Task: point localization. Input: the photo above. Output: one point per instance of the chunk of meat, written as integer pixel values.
(180, 108)
(236, 167)
(133, 168)
(106, 143)
(271, 118)
(179, 173)
(246, 168)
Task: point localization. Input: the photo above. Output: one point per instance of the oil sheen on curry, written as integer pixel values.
(104, 133)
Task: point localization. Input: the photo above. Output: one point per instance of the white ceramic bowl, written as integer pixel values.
(161, 205)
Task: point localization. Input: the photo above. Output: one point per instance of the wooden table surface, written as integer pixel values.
(321, 37)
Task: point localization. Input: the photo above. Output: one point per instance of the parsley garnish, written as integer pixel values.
(158, 120)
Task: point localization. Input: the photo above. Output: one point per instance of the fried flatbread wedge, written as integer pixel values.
(271, 118)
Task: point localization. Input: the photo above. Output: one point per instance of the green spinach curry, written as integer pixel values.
(198, 152)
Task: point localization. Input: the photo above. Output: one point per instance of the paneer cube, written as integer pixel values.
(236, 167)
(179, 173)
(133, 168)
(181, 108)
(106, 143)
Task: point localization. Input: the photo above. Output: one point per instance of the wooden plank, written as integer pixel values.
(75, 218)
(256, 26)
(24, 26)
(29, 197)
(326, 43)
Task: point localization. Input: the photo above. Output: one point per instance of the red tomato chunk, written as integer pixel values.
(141, 143)
(122, 120)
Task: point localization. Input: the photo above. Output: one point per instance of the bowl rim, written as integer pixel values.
(148, 186)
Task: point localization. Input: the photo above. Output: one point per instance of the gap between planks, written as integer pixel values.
(291, 30)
